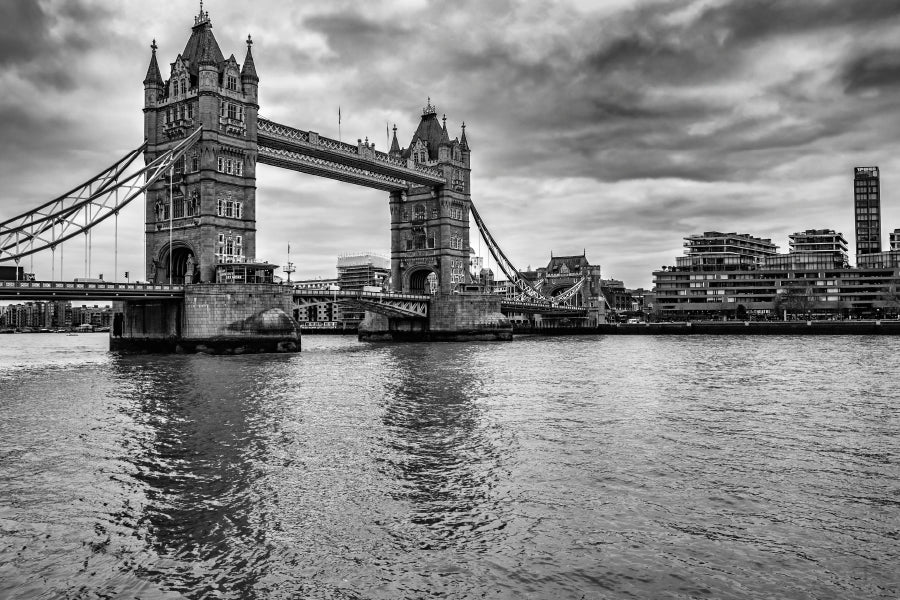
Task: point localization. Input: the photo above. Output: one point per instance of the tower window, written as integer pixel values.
(231, 82)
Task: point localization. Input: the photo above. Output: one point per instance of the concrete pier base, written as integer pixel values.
(451, 318)
(216, 318)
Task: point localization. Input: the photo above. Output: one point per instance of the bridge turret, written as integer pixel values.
(464, 146)
(153, 82)
(395, 145)
(249, 79)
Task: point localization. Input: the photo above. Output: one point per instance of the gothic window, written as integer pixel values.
(190, 110)
(238, 240)
(231, 83)
(221, 238)
(420, 213)
(238, 168)
(229, 166)
(178, 207)
(232, 111)
(238, 212)
(183, 86)
(431, 242)
(434, 213)
(229, 246)
(165, 211)
(408, 244)
(222, 109)
(195, 162)
(220, 165)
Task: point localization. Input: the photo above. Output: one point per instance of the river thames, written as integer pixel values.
(589, 467)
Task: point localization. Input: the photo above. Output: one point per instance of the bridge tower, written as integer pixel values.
(430, 225)
(210, 203)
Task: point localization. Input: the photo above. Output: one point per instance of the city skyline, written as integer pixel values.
(617, 130)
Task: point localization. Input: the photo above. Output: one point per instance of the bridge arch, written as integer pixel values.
(185, 263)
(558, 289)
(421, 280)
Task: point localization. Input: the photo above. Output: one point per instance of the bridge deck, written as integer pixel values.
(306, 151)
(85, 290)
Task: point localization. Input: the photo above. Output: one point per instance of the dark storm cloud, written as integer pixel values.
(598, 92)
(875, 70)
(750, 20)
(23, 31)
(352, 36)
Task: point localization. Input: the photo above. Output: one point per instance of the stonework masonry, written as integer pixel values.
(214, 318)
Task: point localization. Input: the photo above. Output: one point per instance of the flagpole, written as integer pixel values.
(339, 123)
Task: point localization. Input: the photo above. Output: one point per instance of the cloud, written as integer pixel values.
(615, 127)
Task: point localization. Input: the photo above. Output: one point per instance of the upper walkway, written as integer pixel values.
(309, 152)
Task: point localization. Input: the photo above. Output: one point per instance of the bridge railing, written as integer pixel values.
(91, 285)
(360, 294)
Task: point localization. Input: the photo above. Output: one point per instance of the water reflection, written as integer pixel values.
(197, 461)
(439, 446)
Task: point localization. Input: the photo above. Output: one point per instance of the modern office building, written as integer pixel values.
(363, 271)
(867, 205)
(359, 270)
(894, 237)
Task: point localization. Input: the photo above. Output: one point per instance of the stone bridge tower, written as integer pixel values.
(430, 225)
(212, 204)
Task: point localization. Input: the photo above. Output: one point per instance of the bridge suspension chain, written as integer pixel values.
(87, 205)
(526, 288)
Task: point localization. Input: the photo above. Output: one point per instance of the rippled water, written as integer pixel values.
(620, 467)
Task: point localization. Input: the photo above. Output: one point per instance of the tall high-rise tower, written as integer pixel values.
(210, 202)
(867, 205)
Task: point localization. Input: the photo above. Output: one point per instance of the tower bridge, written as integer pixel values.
(203, 140)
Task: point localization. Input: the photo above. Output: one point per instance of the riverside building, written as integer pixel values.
(740, 276)
(867, 203)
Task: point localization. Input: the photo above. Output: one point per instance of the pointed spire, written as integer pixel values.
(395, 145)
(249, 70)
(153, 74)
(445, 138)
(462, 142)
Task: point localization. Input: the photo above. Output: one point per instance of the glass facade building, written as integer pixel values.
(867, 204)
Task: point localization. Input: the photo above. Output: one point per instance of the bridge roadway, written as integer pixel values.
(388, 303)
(86, 290)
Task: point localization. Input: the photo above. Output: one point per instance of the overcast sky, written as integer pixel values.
(611, 126)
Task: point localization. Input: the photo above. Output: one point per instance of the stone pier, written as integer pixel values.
(216, 318)
(451, 317)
